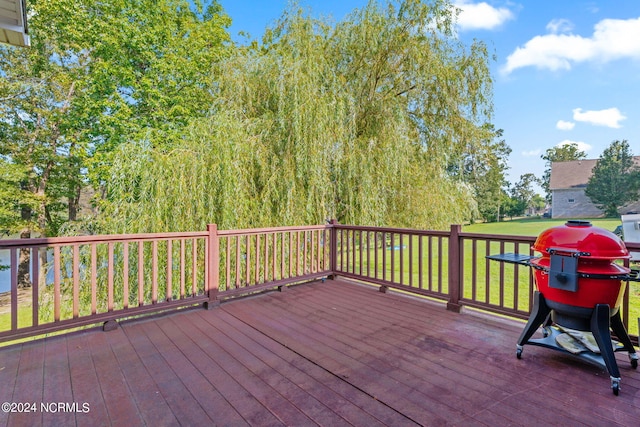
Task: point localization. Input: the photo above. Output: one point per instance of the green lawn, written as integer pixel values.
(24, 319)
(532, 226)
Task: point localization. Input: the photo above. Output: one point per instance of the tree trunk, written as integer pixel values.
(74, 201)
(24, 278)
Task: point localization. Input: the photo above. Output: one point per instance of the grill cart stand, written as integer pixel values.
(559, 319)
(600, 322)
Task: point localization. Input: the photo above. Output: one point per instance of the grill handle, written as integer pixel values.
(567, 252)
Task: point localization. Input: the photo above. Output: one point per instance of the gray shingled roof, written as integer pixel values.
(574, 174)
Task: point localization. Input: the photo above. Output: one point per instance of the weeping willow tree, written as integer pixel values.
(356, 121)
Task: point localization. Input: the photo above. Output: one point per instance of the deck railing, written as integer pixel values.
(410, 260)
(453, 267)
(77, 281)
(255, 259)
(495, 286)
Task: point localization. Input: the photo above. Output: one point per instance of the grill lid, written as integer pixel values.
(581, 236)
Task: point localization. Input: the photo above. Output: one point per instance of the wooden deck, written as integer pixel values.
(332, 354)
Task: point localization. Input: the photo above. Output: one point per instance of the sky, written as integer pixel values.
(566, 71)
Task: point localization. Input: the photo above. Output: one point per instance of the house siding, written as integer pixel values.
(561, 207)
(568, 182)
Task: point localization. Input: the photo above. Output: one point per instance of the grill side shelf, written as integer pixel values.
(512, 258)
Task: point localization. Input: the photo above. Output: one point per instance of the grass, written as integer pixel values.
(532, 226)
(24, 318)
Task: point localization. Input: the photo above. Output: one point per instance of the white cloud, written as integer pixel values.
(531, 153)
(559, 26)
(563, 125)
(611, 117)
(611, 39)
(582, 146)
(481, 16)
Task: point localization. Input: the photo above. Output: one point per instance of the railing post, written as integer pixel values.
(213, 266)
(333, 248)
(13, 256)
(455, 262)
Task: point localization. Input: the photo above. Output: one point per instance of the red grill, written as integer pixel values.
(578, 252)
(579, 291)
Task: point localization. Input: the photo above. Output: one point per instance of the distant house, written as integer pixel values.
(568, 183)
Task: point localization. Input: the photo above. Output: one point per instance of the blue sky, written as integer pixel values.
(566, 71)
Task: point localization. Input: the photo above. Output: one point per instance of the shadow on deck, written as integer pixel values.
(332, 353)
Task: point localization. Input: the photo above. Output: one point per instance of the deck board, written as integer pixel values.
(57, 384)
(84, 378)
(112, 381)
(28, 382)
(333, 353)
(311, 380)
(282, 383)
(376, 377)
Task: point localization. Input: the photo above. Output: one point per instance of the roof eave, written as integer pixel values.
(13, 23)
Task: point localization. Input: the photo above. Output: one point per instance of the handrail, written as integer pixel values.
(385, 256)
(416, 232)
(51, 241)
(252, 231)
(252, 260)
(82, 280)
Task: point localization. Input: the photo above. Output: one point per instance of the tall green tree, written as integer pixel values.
(99, 73)
(559, 153)
(524, 194)
(356, 121)
(615, 180)
(39, 130)
(483, 167)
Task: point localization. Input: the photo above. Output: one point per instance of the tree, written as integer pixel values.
(356, 121)
(39, 136)
(523, 194)
(99, 73)
(615, 180)
(12, 197)
(512, 207)
(559, 153)
(483, 167)
(537, 203)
